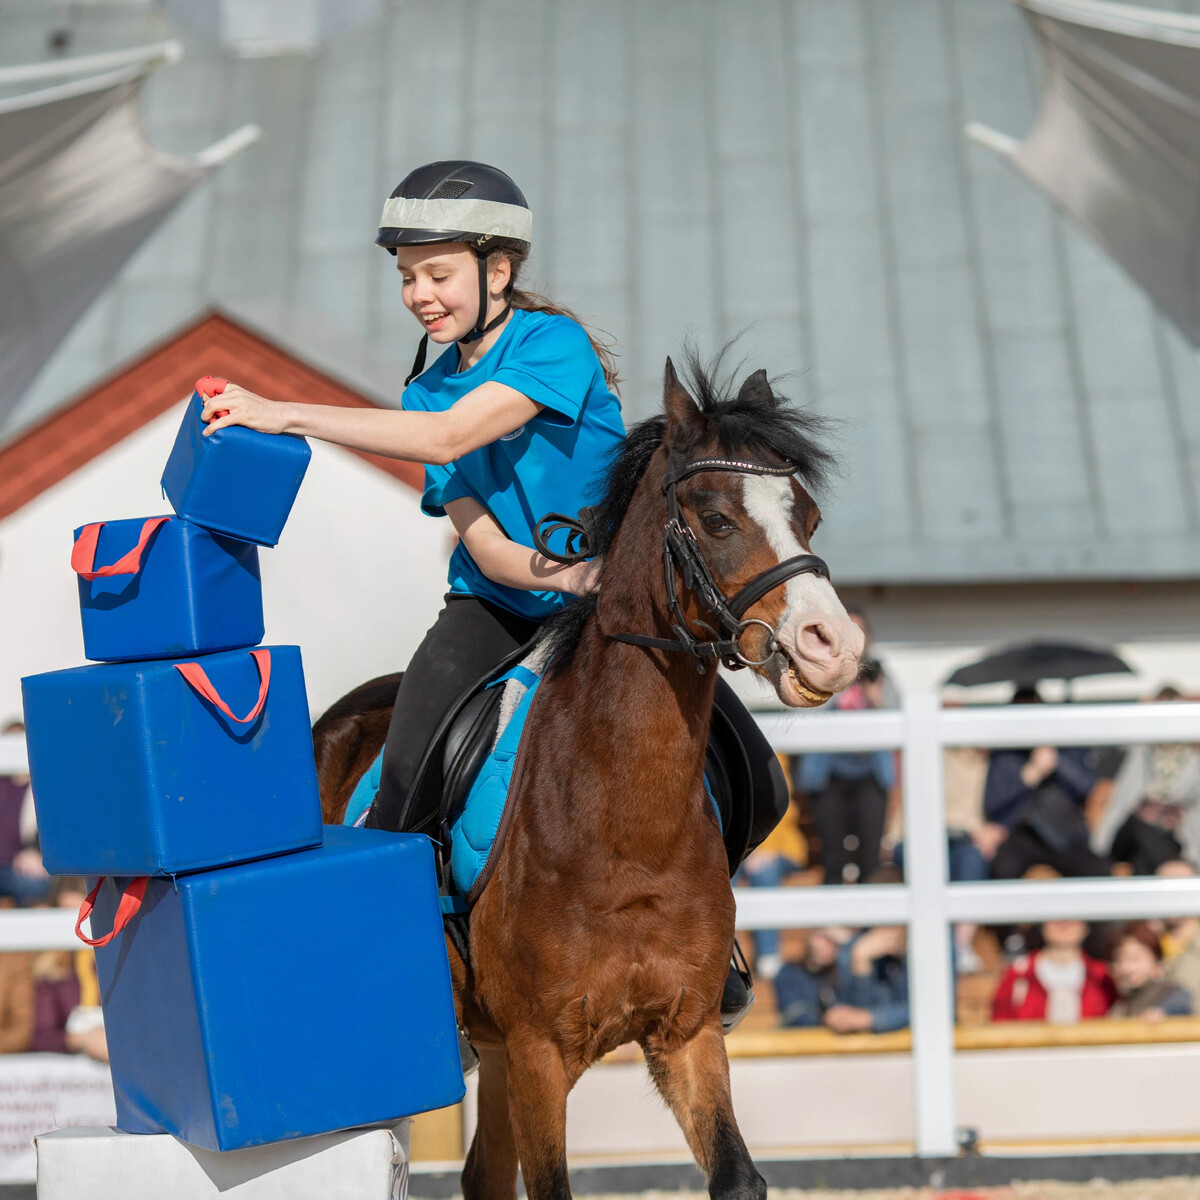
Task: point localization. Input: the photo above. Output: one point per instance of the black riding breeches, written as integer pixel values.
(469, 638)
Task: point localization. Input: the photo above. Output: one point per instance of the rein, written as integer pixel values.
(683, 560)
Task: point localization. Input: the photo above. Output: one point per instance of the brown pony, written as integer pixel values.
(609, 917)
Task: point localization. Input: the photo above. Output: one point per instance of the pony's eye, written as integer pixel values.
(716, 522)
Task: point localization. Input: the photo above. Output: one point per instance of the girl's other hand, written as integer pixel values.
(582, 578)
(240, 407)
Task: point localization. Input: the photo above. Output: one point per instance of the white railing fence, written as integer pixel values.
(926, 902)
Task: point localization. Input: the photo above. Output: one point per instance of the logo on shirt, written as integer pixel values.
(512, 437)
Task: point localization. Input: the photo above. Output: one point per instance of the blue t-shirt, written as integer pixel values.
(551, 464)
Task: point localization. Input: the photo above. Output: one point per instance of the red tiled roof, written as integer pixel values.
(214, 345)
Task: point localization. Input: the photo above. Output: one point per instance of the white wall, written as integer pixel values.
(815, 1103)
(355, 581)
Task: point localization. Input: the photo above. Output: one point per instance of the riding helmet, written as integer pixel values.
(457, 201)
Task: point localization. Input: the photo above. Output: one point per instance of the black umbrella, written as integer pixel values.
(1032, 661)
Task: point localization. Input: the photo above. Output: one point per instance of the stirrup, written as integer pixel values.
(466, 1052)
(738, 997)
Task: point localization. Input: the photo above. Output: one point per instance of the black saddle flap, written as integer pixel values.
(468, 743)
(424, 808)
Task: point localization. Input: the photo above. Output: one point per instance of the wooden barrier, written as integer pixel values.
(999, 1035)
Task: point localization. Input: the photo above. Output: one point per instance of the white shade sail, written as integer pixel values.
(1116, 143)
(80, 189)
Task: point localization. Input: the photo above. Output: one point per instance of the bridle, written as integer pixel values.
(683, 560)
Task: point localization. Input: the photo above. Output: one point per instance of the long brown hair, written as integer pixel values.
(604, 347)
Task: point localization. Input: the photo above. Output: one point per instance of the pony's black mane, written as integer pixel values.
(763, 426)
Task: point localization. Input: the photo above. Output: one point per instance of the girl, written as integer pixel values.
(1136, 964)
(1058, 983)
(516, 420)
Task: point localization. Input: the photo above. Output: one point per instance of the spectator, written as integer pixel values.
(1058, 983)
(1181, 939)
(1135, 963)
(1153, 814)
(805, 991)
(873, 977)
(875, 996)
(1037, 797)
(66, 992)
(16, 997)
(849, 792)
(22, 875)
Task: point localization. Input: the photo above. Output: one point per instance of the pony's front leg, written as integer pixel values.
(693, 1077)
(490, 1172)
(538, 1083)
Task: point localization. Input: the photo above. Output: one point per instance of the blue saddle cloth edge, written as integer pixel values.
(368, 785)
(489, 789)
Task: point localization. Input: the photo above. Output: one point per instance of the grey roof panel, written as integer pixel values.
(1046, 465)
(1009, 404)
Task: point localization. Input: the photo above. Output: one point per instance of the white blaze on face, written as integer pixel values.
(770, 500)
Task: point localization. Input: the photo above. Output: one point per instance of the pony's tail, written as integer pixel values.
(604, 346)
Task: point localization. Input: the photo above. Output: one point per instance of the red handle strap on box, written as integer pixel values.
(209, 386)
(199, 681)
(127, 909)
(83, 553)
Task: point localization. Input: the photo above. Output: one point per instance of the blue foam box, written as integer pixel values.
(177, 589)
(283, 998)
(236, 481)
(135, 772)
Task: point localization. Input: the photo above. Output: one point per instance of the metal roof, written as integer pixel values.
(1011, 406)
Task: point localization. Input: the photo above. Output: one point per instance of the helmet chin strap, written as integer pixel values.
(481, 328)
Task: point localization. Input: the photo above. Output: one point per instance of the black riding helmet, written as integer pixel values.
(457, 201)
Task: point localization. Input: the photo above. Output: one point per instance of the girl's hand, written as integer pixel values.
(241, 407)
(581, 578)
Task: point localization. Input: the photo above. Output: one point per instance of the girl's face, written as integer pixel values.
(1133, 966)
(441, 288)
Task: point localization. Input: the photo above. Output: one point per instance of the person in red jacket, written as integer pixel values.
(1059, 983)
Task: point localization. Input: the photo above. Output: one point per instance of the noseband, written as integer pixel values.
(683, 559)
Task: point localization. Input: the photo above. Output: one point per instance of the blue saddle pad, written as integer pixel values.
(473, 826)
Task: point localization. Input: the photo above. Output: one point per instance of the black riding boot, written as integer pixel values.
(738, 997)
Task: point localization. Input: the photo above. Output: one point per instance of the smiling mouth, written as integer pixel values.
(433, 318)
(807, 693)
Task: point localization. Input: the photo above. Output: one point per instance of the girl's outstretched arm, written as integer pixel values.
(479, 418)
(504, 561)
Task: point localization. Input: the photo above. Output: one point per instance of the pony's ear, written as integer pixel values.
(757, 390)
(683, 416)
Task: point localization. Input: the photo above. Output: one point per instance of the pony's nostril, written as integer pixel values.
(818, 639)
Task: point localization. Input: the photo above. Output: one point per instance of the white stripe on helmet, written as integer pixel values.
(484, 217)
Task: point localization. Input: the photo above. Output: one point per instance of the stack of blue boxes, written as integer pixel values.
(263, 977)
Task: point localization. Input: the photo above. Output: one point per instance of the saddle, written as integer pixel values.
(467, 736)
